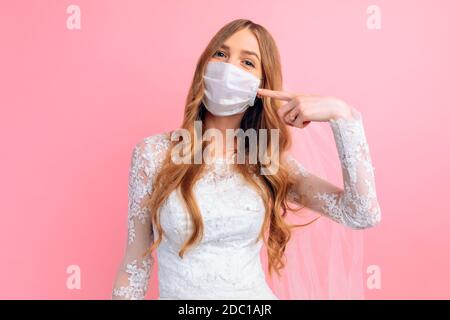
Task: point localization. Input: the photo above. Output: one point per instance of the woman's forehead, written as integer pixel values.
(242, 40)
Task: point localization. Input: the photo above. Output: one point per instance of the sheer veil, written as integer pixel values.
(324, 260)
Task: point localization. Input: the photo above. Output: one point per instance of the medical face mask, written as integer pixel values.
(229, 90)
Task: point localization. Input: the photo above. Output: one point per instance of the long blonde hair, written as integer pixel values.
(272, 188)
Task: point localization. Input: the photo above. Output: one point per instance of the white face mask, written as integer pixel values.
(229, 90)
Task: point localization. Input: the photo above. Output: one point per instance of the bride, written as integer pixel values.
(208, 221)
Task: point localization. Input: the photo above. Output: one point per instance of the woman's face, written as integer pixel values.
(242, 50)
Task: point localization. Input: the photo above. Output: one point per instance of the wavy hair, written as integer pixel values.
(273, 188)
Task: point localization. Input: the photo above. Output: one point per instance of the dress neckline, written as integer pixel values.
(222, 159)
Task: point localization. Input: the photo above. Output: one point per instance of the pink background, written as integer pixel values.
(74, 102)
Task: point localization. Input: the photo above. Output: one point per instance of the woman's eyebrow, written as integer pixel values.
(224, 46)
(251, 53)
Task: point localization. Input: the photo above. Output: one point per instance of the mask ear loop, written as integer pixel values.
(260, 84)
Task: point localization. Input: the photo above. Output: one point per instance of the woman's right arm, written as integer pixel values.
(135, 269)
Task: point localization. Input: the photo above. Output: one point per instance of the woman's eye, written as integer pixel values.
(249, 63)
(219, 53)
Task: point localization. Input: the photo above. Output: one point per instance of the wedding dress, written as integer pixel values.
(226, 264)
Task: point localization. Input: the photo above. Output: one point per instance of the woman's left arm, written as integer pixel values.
(355, 206)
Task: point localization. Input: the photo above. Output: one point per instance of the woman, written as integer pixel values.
(208, 220)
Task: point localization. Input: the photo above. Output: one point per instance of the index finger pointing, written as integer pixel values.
(281, 95)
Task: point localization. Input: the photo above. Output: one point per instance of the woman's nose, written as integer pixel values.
(234, 61)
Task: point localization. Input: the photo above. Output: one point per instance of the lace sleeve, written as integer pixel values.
(355, 206)
(132, 278)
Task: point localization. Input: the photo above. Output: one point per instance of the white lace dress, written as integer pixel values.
(226, 264)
